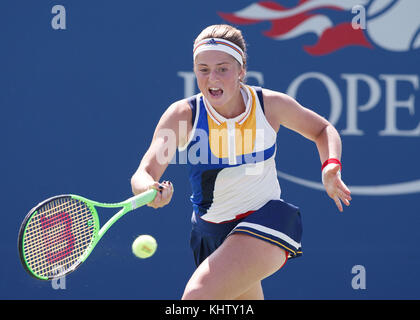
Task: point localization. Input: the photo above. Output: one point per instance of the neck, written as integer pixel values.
(233, 108)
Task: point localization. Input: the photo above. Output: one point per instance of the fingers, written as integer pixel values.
(341, 197)
(337, 190)
(342, 194)
(343, 187)
(164, 194)
(338, 203)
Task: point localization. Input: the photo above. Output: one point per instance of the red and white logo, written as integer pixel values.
(392, 25)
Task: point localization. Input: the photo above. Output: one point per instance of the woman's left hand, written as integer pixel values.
(335, 187)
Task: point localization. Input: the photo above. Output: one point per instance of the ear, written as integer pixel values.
(242, 74)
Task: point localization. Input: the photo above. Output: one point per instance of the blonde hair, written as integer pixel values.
(227, 32)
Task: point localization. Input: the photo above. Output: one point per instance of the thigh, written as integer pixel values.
(234, 268)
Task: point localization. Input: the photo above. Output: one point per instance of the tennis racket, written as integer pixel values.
(59, 233)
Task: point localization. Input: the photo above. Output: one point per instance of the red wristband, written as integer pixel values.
(331, 160)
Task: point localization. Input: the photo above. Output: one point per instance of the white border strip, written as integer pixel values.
(273, 232)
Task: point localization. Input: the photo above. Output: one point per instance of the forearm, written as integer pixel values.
(328, 143)
(147, 174)
(152, 166)
(146, 178)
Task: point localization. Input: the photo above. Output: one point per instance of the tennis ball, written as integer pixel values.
(144, 246)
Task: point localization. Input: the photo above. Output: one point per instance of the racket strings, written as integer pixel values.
(35, 231)
(58, 239)
(57, 236)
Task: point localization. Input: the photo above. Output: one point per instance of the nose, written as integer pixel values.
(213, 77)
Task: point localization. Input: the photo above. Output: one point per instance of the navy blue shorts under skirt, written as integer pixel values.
(277, 222)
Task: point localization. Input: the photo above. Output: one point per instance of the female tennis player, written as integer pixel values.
(242, 231)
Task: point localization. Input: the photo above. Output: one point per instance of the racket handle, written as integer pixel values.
(142, 199)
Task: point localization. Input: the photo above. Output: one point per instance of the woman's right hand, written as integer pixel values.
(164, 194)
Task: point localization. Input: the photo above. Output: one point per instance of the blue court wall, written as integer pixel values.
(78, 107)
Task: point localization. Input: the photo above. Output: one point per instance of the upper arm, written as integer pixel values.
(282, 109)
(171, 131)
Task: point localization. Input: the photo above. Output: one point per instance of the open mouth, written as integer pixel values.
(215, 92)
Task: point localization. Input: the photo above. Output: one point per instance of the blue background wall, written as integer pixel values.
(78, 109)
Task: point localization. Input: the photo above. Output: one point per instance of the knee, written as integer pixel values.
(200, 287)
(192, 292)
(192, 295)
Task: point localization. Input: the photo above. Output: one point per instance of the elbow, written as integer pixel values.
(133, 183)
(141, 181)
(320, 135)
(137, 182)
(328, 130)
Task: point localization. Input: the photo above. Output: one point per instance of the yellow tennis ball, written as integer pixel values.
(144, 246)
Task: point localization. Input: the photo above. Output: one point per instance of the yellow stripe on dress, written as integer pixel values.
(245, 134)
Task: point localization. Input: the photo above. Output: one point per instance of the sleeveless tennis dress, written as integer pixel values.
(232, 171)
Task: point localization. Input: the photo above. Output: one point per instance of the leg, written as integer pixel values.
(235, 269)
(255, 293)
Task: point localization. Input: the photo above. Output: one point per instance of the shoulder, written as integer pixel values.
(178, 111)
(178, 119)
(278, 106)
(283, 110)
(276, 98)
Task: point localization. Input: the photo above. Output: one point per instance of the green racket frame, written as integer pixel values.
(98, 232)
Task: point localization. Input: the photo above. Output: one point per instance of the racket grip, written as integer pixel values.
(142, 198)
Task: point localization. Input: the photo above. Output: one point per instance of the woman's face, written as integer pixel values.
(218, 75)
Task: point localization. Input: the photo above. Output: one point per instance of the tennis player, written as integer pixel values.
(242, 231)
